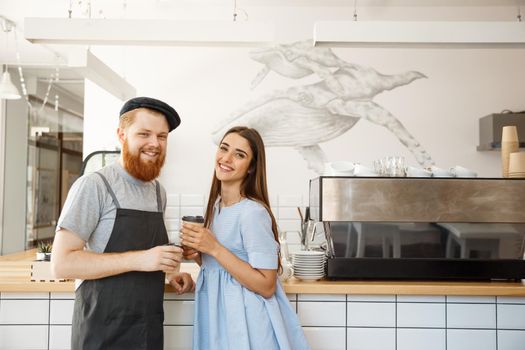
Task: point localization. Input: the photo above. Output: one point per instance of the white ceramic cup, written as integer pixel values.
(412, 171)
(460, 171)
(361, 170)
(339, 168)
(440, 172)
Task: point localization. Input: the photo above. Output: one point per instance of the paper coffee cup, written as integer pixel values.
(191, 219)
(195, 220)
(517, 163)
(174, 240)
(509, 134)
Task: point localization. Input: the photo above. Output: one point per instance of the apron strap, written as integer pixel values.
(111, 193)
(159, 198)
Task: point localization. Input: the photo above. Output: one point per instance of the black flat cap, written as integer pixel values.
(147, 102)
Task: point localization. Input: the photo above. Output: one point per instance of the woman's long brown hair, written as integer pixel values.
(254, 186)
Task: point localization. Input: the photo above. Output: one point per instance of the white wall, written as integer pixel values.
(206, 85)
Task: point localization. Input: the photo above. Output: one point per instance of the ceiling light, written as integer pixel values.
(146, 32)
(8, 90)
(420, 34)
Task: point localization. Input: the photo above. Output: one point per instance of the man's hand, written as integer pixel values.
(161, 258)
(182, 282)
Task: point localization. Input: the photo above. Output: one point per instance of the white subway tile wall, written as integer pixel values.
(418, 339)
(60, 337)
(11, 295)
(62, 295)
(371, 338)
(173, 200)
(13, 311)
(178, 337)
(511, 340)
(372, 298)
(421, 298)
(60, 311)
(511, 317)
(321, 297)
(178, 312)
(427, 315)
(471, 316)
(322, 313)
(191, 211)
(192, 200)
(326, 338)
(471, 299)
(511, 300)
(371, 314)
(476, 339)
(16, 337)
(351, 322)
(172, 213)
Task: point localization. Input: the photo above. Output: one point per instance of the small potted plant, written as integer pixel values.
(44, 251)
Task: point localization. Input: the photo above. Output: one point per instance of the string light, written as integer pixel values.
(20, 71)
(46, 97)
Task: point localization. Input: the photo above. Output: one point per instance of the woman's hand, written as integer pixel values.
(199, 238)
(191, 254)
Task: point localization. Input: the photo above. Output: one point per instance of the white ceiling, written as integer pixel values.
(48, 57)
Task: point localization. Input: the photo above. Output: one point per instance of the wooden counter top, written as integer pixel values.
(406, 287)
(15, 276)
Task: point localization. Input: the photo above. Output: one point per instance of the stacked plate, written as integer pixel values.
(309, 265)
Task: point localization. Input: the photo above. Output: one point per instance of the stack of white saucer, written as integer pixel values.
(309, 265)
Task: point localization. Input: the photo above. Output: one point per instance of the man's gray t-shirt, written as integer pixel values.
(89, 210)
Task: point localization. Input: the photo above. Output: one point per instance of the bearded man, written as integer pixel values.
(111, 237)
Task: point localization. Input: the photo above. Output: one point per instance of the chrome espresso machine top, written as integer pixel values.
(421, 228)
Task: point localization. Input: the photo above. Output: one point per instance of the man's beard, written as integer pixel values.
(142, 170)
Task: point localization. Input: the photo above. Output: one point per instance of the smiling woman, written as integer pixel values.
(239, 254)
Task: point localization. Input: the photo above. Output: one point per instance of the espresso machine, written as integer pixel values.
(421, 228)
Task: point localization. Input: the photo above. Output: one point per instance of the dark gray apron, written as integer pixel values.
(124, 311)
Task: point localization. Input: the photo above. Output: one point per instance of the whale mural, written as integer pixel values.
(304, 116)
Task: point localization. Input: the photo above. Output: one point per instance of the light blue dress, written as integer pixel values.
(227, 315)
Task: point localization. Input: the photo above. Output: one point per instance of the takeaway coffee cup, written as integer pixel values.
(195, 220)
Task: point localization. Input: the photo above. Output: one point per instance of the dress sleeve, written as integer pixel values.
(258, 239)
(83, 207)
